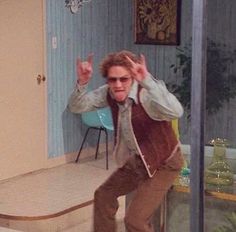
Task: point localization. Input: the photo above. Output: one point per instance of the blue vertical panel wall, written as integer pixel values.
(103, 26)
(61, 24)
(76, 35)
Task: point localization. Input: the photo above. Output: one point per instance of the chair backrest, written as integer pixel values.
(91, 118)
(98, 118)
(175, 126)
(106, 118)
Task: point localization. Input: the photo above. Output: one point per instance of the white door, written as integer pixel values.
(22, 99)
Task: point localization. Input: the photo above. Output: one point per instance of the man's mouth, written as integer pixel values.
(118, 91)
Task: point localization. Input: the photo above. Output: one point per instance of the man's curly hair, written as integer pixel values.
(117, 59)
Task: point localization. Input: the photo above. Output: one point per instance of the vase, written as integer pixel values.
(219, 173)
(152, 30)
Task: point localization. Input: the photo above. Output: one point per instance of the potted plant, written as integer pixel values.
(220, 87)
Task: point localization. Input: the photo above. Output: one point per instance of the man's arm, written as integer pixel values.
(82, 101)
(158, 102)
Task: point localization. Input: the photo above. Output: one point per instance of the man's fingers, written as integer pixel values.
(142, 60)
(131, 61)
(90, 58)
(79, 65)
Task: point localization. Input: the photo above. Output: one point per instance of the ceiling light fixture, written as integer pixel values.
(74, 5)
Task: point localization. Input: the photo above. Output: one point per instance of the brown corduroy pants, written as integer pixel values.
(149, 193)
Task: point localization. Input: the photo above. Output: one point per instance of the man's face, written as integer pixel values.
(120, 81)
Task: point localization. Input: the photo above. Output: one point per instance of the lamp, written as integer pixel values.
(74, 5)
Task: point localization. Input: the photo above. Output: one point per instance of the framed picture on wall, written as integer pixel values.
(157, 22)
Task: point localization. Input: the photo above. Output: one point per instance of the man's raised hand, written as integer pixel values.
(84, 70)
(139, 70)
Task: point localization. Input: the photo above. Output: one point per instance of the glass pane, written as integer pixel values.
(220, 162)
(220, 157)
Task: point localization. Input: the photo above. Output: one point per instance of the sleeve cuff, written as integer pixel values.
(81, 88)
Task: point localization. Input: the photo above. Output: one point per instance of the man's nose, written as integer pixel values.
(118, 83)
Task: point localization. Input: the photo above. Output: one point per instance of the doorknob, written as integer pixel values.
(40, 78)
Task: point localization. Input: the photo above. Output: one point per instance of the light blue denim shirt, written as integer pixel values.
(157, 101)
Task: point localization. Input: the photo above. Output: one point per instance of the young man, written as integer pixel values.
(146, 149)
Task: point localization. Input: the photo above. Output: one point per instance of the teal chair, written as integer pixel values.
(100, 120)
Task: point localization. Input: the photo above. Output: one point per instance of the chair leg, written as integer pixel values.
(105, 130)
(81, 147)
(98, 142)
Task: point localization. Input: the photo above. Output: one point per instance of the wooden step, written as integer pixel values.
(53, 199)
(4, 229)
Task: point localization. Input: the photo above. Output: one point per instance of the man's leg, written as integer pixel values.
(149, 196)
(121, 182)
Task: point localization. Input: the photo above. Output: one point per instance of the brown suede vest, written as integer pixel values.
(156, 139)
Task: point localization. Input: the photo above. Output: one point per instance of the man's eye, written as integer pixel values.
(124, 79)
(115, 79)
(112, 80)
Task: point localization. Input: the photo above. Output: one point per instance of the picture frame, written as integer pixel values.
(157, 22)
